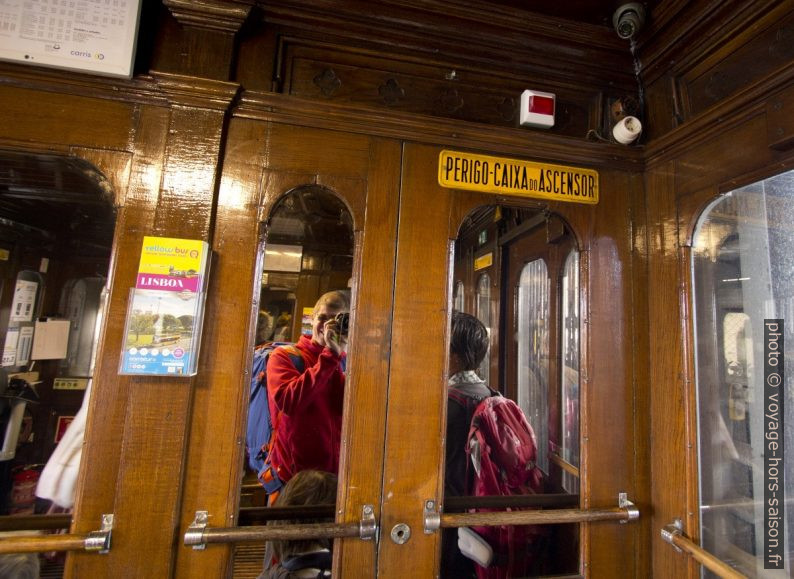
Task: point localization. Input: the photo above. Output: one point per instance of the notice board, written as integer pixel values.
(96, 36)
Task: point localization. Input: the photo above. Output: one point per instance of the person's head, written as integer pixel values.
(468, 342)
(19, 565)
(264, 326)
(327, 307)
(308, 487)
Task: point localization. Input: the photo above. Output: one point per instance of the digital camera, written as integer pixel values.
(343, 320)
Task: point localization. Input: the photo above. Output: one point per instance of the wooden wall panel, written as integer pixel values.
(764, 52)
(371, 340)
(334, 72)
(96, 489)
(217, 420)
(698, 55)
(609, 446)
(291, 148)
(668, 434)
(154, 426)
(58, 119)
(417, 403)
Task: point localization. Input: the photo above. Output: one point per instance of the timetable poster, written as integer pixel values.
(96, 36)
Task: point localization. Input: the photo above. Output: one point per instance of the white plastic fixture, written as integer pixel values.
(627, 130)
(537, 109)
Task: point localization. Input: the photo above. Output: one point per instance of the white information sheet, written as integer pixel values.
(90, 35)
(24, 345)
(24, 298)
(10, 347)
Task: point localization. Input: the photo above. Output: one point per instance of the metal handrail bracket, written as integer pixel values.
(368, 527)
(669, 532)
(99, 541)
(432, 517)
(194, 536)
(631, 509)
(674, 534)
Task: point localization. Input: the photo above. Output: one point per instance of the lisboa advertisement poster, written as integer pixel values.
(165, 312)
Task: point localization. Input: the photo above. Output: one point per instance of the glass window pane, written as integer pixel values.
(458, 301)
(743, 272)
(484, 315)
(533, 352)
(570, 369)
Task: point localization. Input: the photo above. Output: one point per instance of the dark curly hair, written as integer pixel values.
(468, 340)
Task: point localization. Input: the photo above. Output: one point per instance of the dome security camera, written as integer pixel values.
(628, 19)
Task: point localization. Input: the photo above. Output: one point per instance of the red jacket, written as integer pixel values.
(306, 409)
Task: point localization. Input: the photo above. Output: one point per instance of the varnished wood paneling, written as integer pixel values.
(156, 425)
(732, 68)
(608, 381)
(371, 340)
(217, 421)
(332, 72)
(154, 428)
(535, 144)
(668, 440)
(45, 117)
(417, 393)
(96, 489)
(291, 148)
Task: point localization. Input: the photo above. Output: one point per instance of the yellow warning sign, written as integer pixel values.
(483, 261)
(501, 176)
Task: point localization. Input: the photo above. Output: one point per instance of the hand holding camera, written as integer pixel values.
(336, 330)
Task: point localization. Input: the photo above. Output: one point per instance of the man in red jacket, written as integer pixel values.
(306, 406)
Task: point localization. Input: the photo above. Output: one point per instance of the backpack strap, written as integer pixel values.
(295, 356)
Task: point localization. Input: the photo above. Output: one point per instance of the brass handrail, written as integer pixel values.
(625, 511)
(35, 522)
(674, 535)
(198, 534)
(97, 541)
(275, 533)
(42, 543)
(547, 517)
(464, 503)
(248, 516)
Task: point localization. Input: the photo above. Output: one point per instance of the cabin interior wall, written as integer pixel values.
(715, 123)
(185, 153)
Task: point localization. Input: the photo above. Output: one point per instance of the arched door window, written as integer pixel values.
(743, 283)
(484, 315)
(459, 296)
(308, 252)
(533, 352)
(570, 373)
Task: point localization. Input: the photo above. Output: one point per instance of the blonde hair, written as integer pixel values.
(336, 299)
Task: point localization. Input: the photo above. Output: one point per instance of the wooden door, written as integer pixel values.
(263, 162)
(429, 220)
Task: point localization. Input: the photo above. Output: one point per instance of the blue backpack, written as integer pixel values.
(260, 427)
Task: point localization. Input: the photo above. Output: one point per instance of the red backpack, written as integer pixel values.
(501, 452)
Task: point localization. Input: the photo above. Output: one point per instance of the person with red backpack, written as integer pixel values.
(490, 450)
(305, 402)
